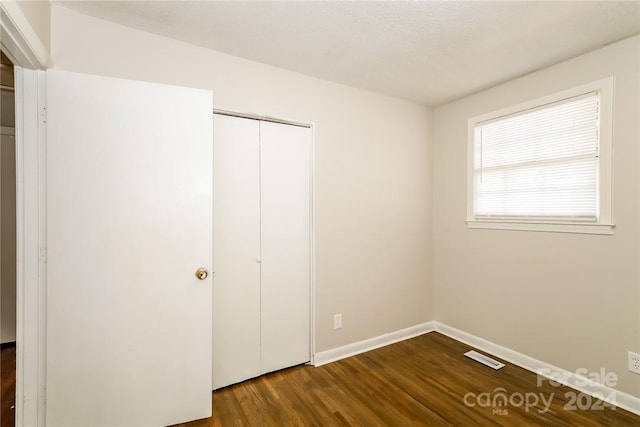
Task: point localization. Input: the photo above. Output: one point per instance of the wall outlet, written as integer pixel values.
(634, 362)
(337, 321)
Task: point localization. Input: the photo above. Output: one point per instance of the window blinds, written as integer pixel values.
(540, 163)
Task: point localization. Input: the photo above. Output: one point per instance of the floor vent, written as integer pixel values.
(485, 360)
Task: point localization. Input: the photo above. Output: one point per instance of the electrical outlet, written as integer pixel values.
(634, 362)
(337, 321)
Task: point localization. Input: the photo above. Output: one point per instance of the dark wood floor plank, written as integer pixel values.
(418, 382)
(7, 384)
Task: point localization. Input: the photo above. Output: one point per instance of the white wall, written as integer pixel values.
(38, 14)
(567, 299)
(372, 166)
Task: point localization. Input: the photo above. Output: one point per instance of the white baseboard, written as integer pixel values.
(349, 350)
(573, 380)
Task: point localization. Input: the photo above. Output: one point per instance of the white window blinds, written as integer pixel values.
(540, 163)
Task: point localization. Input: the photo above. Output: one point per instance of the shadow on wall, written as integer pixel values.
(7, 204)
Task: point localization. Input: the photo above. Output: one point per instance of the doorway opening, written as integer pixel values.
(7, 243)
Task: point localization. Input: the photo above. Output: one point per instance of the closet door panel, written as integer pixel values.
(285, 152)
(236, 228)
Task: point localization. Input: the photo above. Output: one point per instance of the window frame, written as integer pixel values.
(603, 224)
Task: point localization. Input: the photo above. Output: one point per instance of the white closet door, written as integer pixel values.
(236, 294)
(129, 220)
(285, 242)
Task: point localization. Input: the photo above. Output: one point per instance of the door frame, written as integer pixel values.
(23, 47)
(312, 225)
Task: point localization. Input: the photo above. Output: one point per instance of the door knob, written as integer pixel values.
(202, 273)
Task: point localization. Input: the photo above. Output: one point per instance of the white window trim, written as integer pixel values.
(604, 225)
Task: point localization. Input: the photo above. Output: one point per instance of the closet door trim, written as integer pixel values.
(264, 118)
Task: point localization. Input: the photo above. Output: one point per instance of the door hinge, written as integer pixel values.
(43, 114)
(43, 255)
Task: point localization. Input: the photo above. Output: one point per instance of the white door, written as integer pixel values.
(261, 247)
(285, 158)
(129, 175)
(236, 250)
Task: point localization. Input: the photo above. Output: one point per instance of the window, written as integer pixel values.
(544, 165)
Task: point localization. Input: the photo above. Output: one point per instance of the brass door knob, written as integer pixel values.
(202, 273)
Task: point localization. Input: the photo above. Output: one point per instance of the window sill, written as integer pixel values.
(553, 227)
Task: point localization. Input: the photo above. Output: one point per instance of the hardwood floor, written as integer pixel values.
(7, 384)
(419, 382)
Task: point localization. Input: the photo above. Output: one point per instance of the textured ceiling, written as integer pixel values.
(429, 52)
